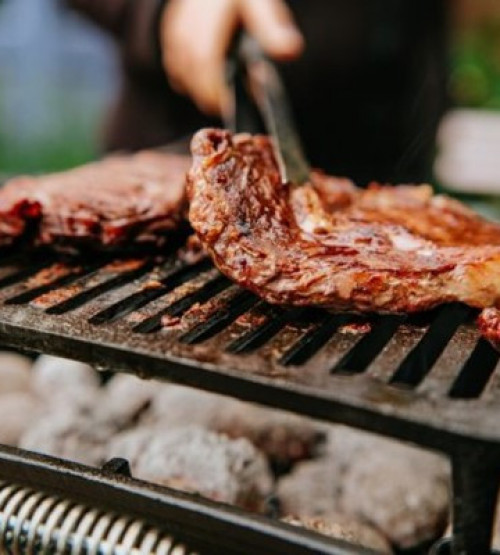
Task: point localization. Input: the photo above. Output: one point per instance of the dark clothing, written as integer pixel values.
(367, 93)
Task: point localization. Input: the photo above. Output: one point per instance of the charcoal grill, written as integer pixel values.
(427, 379)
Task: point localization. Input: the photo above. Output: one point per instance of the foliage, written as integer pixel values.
(475, 67)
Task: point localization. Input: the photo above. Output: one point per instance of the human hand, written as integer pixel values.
(195, 36)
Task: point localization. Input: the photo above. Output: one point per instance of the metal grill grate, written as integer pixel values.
(163, 318)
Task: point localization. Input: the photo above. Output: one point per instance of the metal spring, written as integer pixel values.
(33, 522)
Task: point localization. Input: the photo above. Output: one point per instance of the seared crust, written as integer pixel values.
(329, 244)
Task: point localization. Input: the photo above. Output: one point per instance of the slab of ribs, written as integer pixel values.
(332, 245)
(119, 200)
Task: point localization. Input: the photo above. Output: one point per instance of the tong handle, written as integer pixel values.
(256, 81)
(241, 115)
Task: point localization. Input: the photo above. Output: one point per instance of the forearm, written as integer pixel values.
(134, 24)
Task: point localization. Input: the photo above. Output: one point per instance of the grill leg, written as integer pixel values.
(476, 479)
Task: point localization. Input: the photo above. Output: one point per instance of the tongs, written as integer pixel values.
(257, 92)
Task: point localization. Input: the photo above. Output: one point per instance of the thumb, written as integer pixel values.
(271, 22)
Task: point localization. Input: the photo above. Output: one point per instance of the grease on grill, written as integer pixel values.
(128, 265)
(168, 321)
(50, 274)
(57, 296)
(251, 319)
(151, 284)
(199, 312)
(209, 284)
(356, 328)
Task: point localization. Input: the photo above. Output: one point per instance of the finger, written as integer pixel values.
(207, 91)
(271, 22)
(195, 41)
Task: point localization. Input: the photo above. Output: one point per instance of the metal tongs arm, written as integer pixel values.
(252, 69)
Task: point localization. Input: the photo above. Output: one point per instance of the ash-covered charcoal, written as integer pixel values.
(342, 527)
(65, 381)
(80, 417)
(19, 412)
(121, 199)
(70, 433)
(198, 461)
(284, 438)
(15, 373)
(400, 490)
(130, 444)
(405, 494)
(127, 398)
(312, 489)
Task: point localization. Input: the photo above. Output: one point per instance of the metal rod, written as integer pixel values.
(476, 478)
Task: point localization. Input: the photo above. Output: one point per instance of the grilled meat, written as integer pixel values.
(330, 244)
(136, 198)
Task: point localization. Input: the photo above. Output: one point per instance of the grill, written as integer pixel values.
(38, 522)
(428, 379)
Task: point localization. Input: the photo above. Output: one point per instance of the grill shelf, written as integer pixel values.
(428, 379)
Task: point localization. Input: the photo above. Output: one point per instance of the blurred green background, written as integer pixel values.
(58, 74)
(475, 83)
(475, 66)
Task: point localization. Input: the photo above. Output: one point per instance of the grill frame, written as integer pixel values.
(203, 525)
(463, 429)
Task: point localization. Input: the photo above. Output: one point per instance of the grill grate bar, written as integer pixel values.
(25, 273)
(235, 307)
(72, 275)
(420, 360)
(277, 319)
(82, 298)
(370, 346)
(205, 293)
(312, 341)
(175, 277)
(476, 372)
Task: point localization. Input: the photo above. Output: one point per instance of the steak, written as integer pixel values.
(121, 199)
(330, 244)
